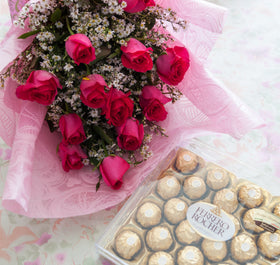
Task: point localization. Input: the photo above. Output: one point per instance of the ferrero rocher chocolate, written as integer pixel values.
(185, 234)
(276, 209)
(269, 244)
(250, 195)
(249, 222)
(190, 255)
(217, 178)
(168, 187)
(226, 199)
(148, 214)
(161, 258)
(243, 248)
(186, 161)
(175, 210)
(214, 250)
(159, 238)
(127, 244)
(194, 187)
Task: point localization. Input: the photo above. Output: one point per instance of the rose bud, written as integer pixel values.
(41, 87)
(130, 135)
(172, 66)
(112, 170)
(72, 129)
(119, 107)
(136, 56)
(71, 156)
(134, 6)
(80, 49)
(92, 91)
(152, 101)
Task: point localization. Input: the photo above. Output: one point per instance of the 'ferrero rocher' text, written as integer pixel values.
(210, 221)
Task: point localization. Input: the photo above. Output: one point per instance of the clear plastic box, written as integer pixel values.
(166, 220)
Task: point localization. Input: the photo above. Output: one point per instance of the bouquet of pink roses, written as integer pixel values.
(103, 75)
(105, 69)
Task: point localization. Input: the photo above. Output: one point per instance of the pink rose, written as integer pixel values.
(134, 6)
(112, 170)
(71, 156)
(79, 48)
(130, 135)
(152, 101)
(41, 87)
(72, 129)
(119, 107)
(92, 91)
(136, 56)
(172, 67)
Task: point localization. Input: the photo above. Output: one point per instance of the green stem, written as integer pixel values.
(97, 165)
(67, 110)
(68, 27)
(117, 52)
(88, 70)
(98, 130)
(105, 150)
(98, 184)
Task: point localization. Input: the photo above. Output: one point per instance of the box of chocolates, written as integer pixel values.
(191, 210)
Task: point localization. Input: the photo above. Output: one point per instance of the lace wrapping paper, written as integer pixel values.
(37, 186)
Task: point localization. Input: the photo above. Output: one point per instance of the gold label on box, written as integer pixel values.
(210, 221)
(266, 220)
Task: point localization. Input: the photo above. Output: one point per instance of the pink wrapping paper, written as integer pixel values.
(37, 186)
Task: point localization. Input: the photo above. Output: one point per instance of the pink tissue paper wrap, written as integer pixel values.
(37, 186)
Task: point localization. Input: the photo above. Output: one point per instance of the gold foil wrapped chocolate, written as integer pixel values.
(161, 258)
(269, 244)
(185, 233)
(226, 199)
(159, 238)
(194, 187)
(168, 187)
(186, 161)
(276, 209)
(190, 255)
(243, 248)
(250, 195)
(148, 214)
(217, 178)
(175, 210)
(127, 244)
(215, 251)
(249, 223)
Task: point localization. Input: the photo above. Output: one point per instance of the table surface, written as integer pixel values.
(247, 59)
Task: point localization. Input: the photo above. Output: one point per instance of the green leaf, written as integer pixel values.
(56, 15)
(28, 34)
(98, 184)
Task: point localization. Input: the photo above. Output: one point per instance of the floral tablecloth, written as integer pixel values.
(247, 59)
